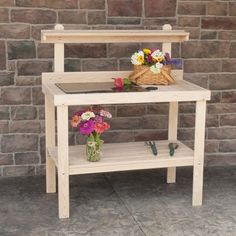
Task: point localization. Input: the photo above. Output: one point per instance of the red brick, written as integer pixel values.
(36, 30)
(45, 50)
(26, 158)
(123, 21)
(146, 135)
(122, 50)
(217, 8)
(131, 110)
(208, 34)
(232, 8)
(225, 23)
(33, 16)
(92, 4)
(24, 127)
(21, 50)
(99, 65)
(85, 50)
(33, 67)
(221, 108)
(229, 65)
(6, 159)
(96, 17)
(7, 3)
(2, 55)
(72, 65)
(15, 95)
(222, 81)
(158, 21)
(48, 3)
(222, 133)
(229, 96)
(6, 78)
(187, 8)
(199, 79)
(227, 35)
(124, 7)
(228, 120)
(205, 49)
(228, 145)
(4, 15)
(188, 21)
(72, 17)
(160, 8)
(193, 66)
(233, 49)
(18, 31)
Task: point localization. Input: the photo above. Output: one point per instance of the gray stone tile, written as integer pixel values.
(137, 203)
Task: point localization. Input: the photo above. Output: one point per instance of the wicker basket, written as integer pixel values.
(142, 75)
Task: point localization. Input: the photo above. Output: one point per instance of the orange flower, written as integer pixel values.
(75, 121)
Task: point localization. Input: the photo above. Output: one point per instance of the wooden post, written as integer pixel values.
(50, 142)
(59, 53)
(172, 135)
(173, 114)
(199, 152)
(63, 161)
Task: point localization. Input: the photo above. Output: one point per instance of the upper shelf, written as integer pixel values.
(59, 35)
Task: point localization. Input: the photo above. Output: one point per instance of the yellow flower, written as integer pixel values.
(147, 51)
(140, 59)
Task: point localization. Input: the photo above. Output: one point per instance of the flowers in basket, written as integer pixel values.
(91, 122)
(151, 67)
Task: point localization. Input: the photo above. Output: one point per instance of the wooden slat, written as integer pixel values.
(112, 36)
(131, 156)
(98, 76)
(181, 91)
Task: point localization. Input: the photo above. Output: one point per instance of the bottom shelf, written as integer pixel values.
(125, 156)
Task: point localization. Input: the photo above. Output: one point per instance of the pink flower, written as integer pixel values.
(101, 127)
(87, 127)
(118, 83)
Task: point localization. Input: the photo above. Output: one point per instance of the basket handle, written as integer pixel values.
(134, 77)
(168, 77)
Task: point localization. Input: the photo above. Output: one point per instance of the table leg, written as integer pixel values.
(50, 142)
(63, 161)
(199, 152)
(172, 135)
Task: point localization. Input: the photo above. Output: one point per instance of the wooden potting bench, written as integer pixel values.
(71, 160)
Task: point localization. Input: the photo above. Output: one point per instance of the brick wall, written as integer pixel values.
(208, 59)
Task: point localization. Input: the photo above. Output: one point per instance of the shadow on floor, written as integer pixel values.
(137, 203)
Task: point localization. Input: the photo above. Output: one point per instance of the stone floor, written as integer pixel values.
(134, 203)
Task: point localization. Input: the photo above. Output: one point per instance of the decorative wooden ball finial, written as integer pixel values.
(59, 27)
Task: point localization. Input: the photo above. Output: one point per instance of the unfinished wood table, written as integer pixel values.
(129, 156)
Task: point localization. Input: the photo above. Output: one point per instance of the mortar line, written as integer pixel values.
(123, 202)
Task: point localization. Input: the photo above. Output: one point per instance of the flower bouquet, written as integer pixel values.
(91, 123)
(151, 67)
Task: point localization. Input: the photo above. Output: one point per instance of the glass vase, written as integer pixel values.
(93, 151)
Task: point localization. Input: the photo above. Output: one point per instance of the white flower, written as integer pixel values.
(156, 68)
(87, 115)
(137, 58)
(158, 55)
(106, 114)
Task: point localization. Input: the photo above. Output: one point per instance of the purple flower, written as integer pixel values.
(167, 57)
(98, 119)
(87, 127)
(149, 59)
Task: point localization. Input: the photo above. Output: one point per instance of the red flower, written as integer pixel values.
(118, 83)
(101, 127)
